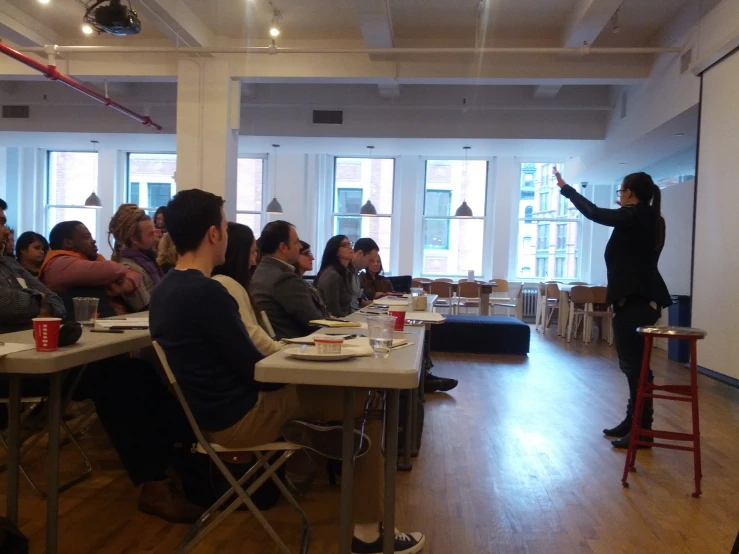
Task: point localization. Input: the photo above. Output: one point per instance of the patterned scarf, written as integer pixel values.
(145, 259)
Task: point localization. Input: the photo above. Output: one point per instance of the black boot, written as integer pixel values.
(623, 428)
(646, 423)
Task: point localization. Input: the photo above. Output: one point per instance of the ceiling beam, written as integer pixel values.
(587, 21)
(176, 20)
(376, 24)
(23, 30)
(546, 92)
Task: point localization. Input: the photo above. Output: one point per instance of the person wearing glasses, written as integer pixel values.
(304, 265)
(337, 279)
(635, 287)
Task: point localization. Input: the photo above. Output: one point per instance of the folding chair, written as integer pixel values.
(264, 454)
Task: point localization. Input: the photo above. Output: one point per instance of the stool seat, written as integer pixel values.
(672, 332)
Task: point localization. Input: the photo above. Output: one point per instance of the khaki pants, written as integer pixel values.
(264, 422)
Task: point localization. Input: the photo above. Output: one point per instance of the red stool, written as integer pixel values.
(682, 393)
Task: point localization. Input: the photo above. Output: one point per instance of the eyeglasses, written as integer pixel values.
(307, 253)
(619, 191)
(347, 244)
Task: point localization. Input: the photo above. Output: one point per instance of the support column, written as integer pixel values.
(208, 120)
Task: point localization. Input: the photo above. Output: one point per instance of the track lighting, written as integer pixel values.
(86, 29)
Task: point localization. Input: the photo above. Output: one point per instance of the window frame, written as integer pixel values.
(265, 186)
(151, 211)
(486, 218)
(48, 206)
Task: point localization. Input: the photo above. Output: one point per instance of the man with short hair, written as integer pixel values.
(197, 323)
(364, 249)
(276, 287)
(73, 262)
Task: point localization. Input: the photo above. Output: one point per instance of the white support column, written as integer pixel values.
(408, 217)
(208, 120)
(107, 191)
(505, 187)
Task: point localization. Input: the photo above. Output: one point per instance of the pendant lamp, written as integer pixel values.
(93, 201)
(275, 207)
(368, 209)
(464, 210)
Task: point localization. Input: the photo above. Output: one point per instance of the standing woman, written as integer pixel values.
(635, 287)
(336, 280)
(30, 251)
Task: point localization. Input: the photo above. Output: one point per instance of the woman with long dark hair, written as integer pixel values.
(235, 275)
(337, 280)
(305, 264)
(30, 251)
(159, 221)
(373, 282)
(635, 287)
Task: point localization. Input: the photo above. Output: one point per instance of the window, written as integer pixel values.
(452, 245)
(357, 180)
(436, 233)
(541, 267)
(249, 193)
(71, 178)
(535, 220)
(561, 236)
(559, 270)
(542, 237)
(151, 180)
(543, 201)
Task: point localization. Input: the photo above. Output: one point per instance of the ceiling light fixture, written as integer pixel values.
(274, 29)
(87, 29)
(368, 209)
(464, 210)
(275, 207)
(43, 1)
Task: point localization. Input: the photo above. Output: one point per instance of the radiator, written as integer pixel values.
(529, 295)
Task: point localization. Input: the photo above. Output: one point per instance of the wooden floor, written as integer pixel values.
(513, 460)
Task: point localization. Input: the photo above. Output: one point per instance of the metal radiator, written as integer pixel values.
(528, 300)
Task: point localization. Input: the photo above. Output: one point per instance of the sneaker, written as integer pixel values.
(326, 440)
(432, 383)
(405, 543)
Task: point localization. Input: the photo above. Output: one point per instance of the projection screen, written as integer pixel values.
(716, 255)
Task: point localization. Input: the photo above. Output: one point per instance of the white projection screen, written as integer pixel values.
(716, 256)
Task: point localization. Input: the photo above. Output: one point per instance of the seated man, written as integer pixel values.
(277, 289)
(22, 296)
(142, 419)
(198, 325)
(364, 249)
(135, 248)
(73, 261)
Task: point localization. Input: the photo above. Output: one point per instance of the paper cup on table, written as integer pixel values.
(398, 312)
(328, 344)
(420, 303)
(46, 333)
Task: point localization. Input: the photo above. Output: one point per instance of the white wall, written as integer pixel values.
(674, 263)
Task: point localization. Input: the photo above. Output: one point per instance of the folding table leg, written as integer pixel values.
(347, 473)
(391, 458)
(52, 501)
(14, 446)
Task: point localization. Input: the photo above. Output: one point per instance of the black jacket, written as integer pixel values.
(631, 256)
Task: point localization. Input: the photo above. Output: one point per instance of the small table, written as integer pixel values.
(400, 371)
(91, 347)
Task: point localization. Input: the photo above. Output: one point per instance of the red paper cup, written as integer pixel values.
(398, 312)
(46, 333)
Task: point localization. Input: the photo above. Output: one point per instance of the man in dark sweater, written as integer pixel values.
(197, 323)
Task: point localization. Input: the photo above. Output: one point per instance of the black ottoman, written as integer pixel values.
(481, 334)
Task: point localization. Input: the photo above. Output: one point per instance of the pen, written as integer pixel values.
(117, 331)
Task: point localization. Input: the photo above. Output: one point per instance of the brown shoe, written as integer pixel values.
(165, 500)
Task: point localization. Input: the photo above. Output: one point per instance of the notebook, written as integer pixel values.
(332, 324)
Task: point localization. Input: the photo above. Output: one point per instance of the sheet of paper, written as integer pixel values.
(336, 324)
(425, 316)
(13, 347)
(122, 323)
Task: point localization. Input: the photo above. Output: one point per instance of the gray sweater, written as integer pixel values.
(340, 294)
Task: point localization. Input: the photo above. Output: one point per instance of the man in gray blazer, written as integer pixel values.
(277, 289)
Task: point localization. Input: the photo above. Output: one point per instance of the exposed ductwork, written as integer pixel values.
(51, 72)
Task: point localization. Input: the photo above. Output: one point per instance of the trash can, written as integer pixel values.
(678, 315)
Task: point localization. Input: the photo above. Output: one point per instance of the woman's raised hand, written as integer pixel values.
(558, 175)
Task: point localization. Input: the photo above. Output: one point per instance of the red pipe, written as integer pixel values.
(51, 72)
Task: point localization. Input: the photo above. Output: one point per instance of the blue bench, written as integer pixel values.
(481, 334)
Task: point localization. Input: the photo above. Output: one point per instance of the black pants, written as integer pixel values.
(629, 314)
(143, 420)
